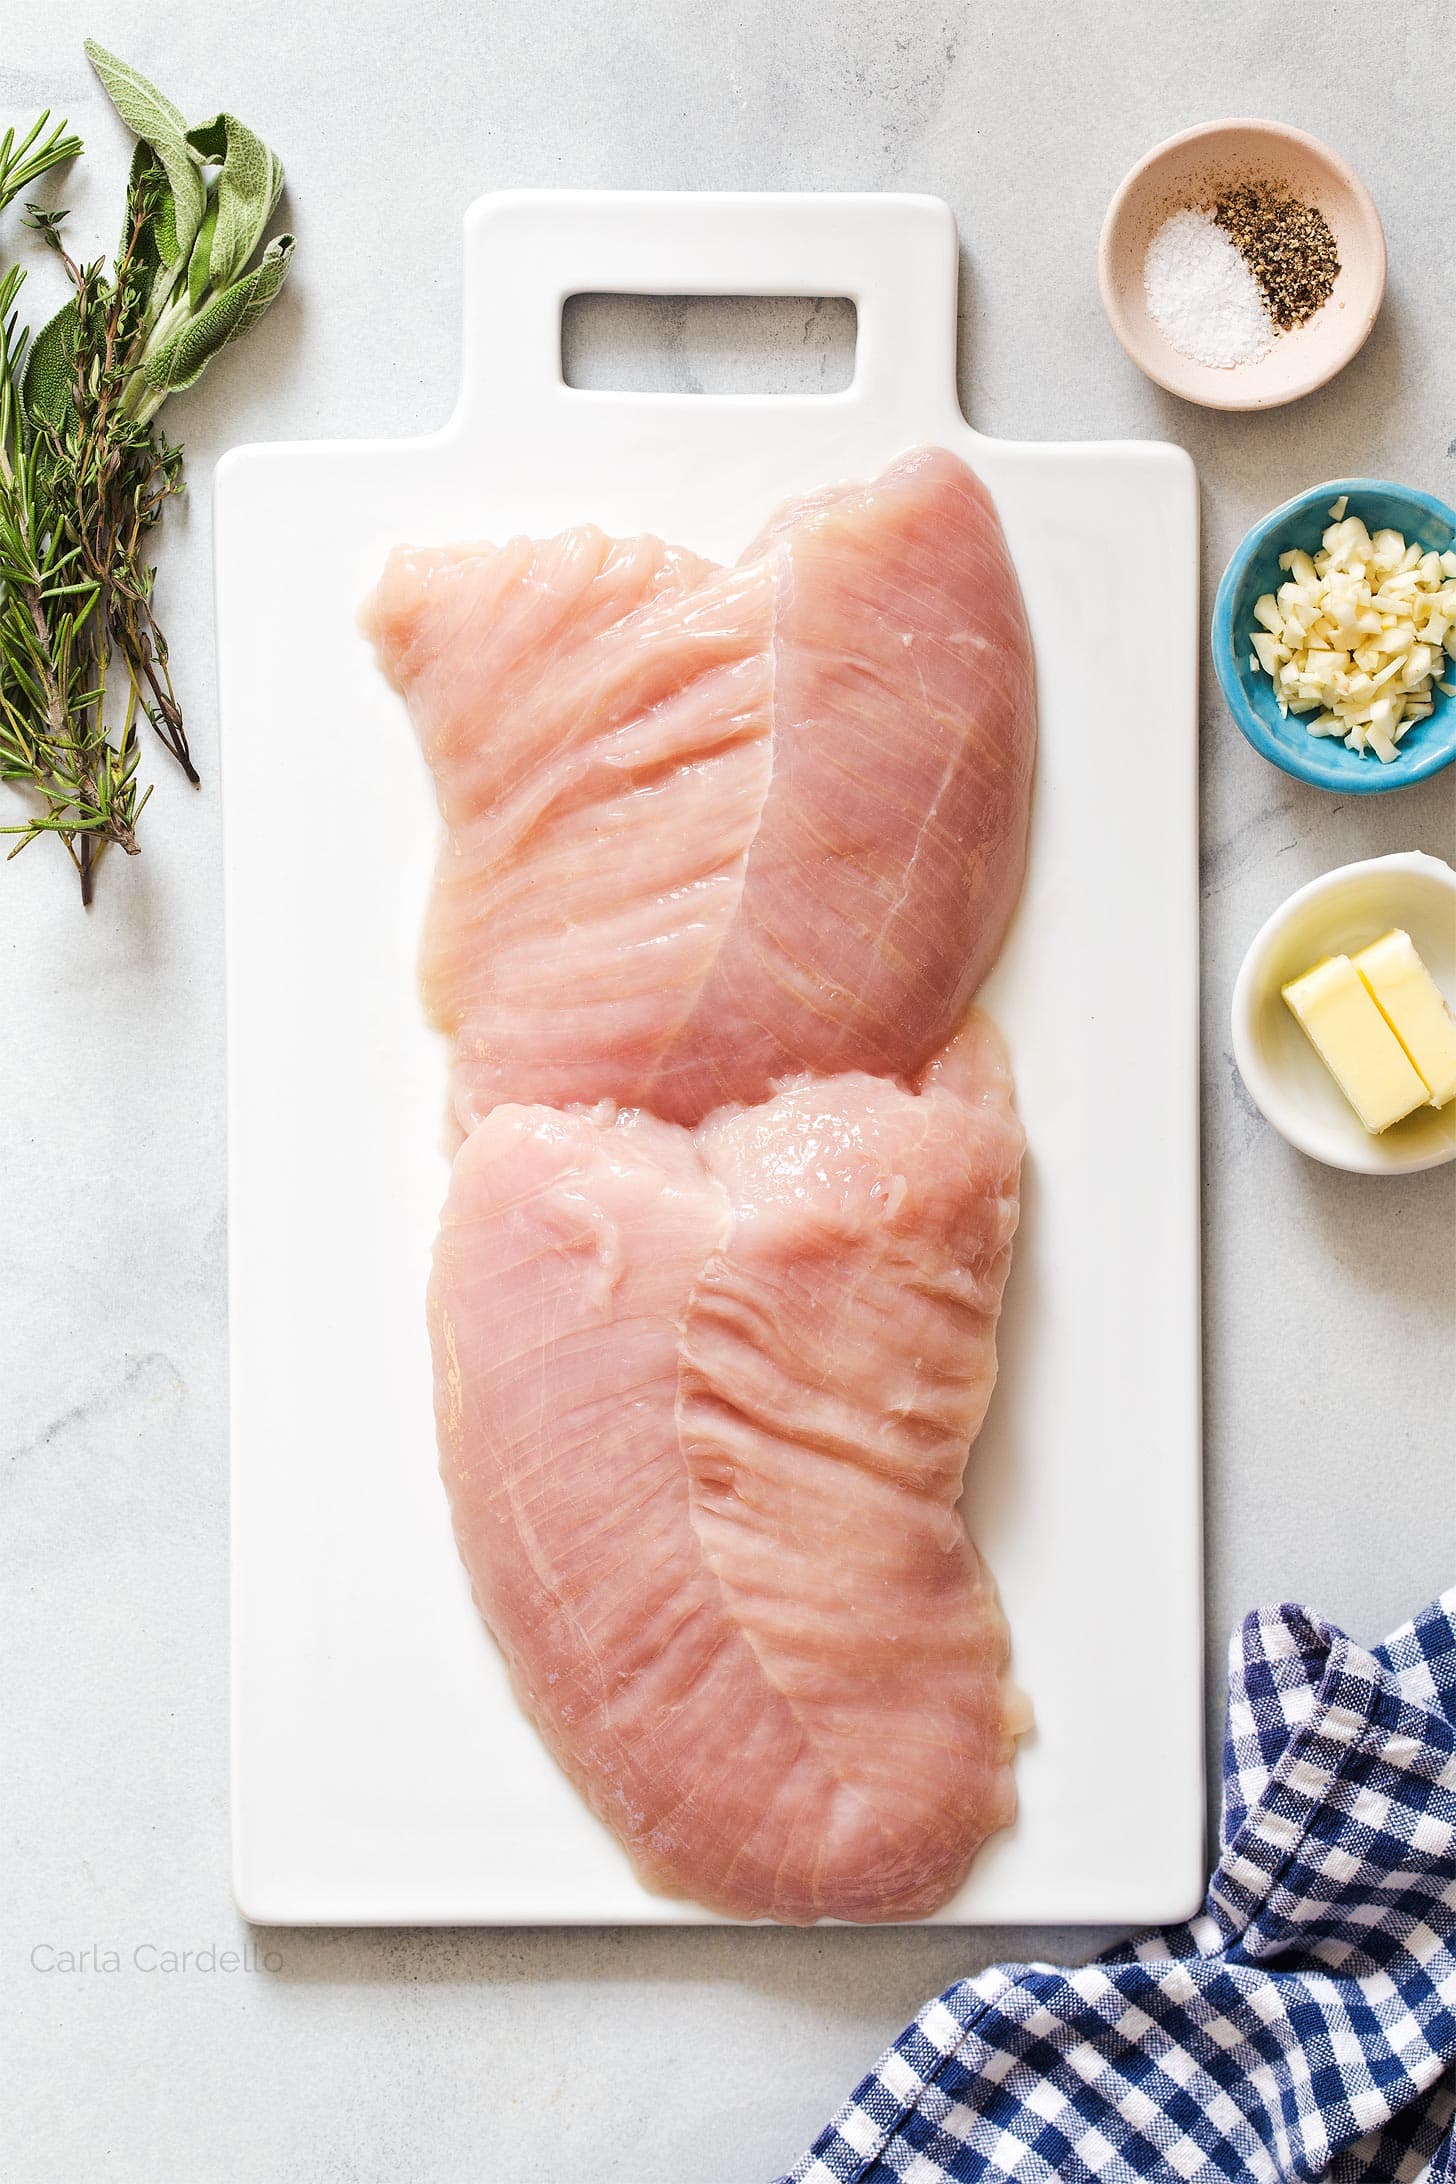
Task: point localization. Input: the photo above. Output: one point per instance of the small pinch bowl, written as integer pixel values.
(1337, 914)
(1182, 172)
(1249, 693)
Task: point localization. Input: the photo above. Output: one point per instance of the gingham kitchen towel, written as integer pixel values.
(1303, 2025)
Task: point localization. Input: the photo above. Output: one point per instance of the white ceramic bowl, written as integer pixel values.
(1336, 914)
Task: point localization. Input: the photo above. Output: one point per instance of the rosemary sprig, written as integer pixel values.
(85, 472)
(25, 162)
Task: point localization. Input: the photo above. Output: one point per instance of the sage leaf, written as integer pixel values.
(50, 369)
(199, 265)
(179, 362)
(244, 194)
(157, 122)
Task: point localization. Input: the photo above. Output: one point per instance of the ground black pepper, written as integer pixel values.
(1286, 245)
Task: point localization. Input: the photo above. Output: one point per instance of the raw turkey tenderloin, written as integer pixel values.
(704, 826)
(704, 1402)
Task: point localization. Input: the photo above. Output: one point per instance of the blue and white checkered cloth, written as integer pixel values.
(1303, 2025)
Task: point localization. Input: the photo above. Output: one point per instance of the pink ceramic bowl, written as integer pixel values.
(1185, 171)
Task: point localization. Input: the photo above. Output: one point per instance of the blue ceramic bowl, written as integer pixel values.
(1255, 569)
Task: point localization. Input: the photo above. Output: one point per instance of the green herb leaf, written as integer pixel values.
(50, 368)
(249, 180)
(157, 122)
(199, 265)
(180, 361)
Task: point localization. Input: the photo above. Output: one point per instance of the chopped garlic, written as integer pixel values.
(1358, 633)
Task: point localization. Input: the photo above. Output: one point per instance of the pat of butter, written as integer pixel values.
(1355, 1043)
(1414, 1007)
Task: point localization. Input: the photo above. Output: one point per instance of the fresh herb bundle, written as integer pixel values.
(84, 471)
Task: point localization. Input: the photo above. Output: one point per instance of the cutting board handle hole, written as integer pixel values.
(714, 345)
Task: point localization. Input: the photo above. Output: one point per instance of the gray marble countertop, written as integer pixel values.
(672, 2057)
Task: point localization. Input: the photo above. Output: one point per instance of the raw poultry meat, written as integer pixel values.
(727, 852)
(704, 1403)
(708, 826)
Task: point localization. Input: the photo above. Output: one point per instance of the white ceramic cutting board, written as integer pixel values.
(381, 1770)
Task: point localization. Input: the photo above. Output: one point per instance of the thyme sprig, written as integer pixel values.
(84, 471)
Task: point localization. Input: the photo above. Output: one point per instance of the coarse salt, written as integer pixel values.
(1202, 294)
